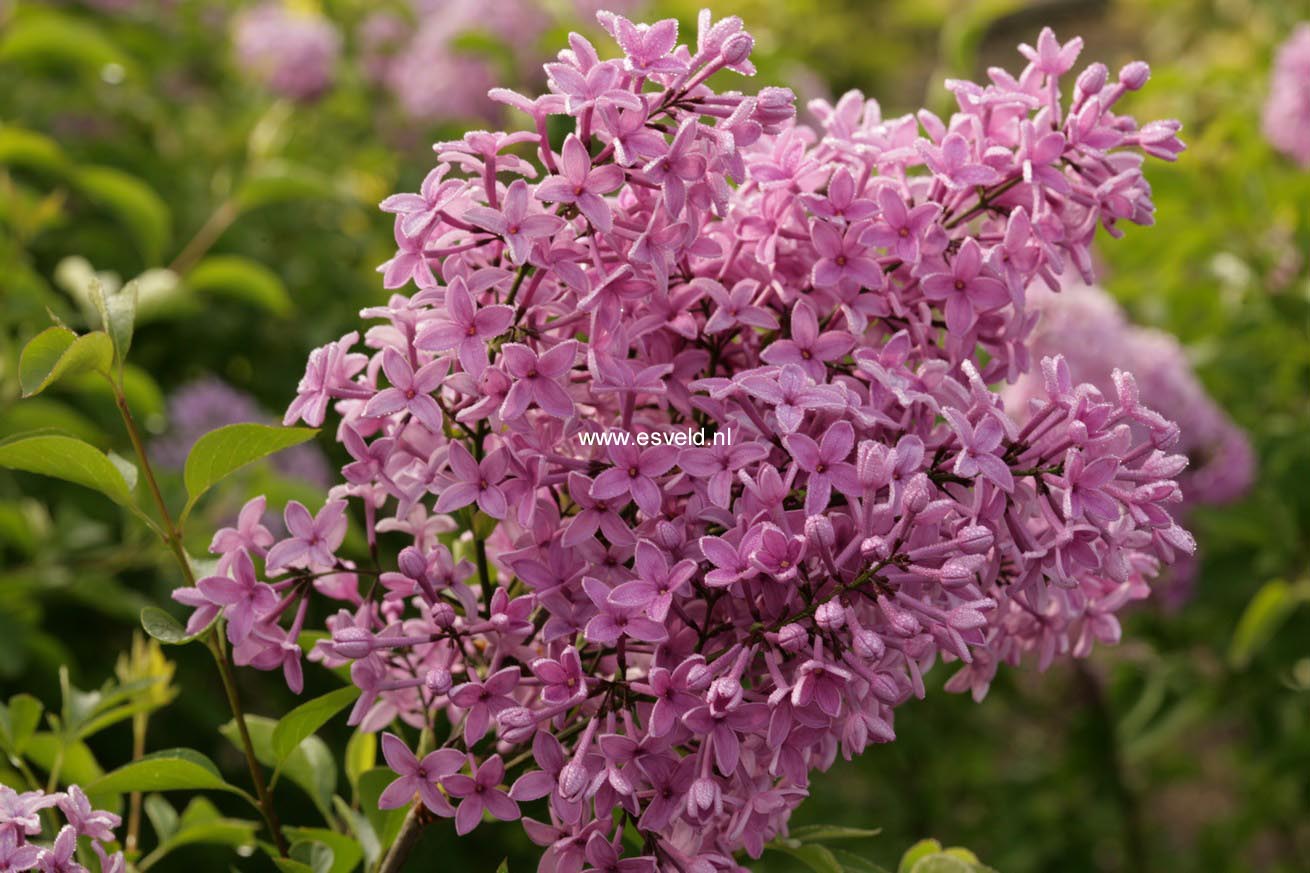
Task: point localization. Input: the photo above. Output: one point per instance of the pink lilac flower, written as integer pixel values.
(243, 597)
(1286, 113)
(480, 793)
(291, 52)
(419, 777)
(689, 632)
(312, 539)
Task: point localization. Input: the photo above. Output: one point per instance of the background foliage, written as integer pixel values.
(130, 137)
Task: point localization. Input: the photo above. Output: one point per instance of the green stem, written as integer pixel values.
(218, 222)
(173, 537)
(238, 713)
(415, 820)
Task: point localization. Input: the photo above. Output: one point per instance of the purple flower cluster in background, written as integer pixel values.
(292, 52)
(671, 639)
(1096, 338)
(1287, 108)
(20, 821)
(431, 72)
(207, 404)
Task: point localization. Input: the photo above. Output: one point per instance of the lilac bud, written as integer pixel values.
(792, 637)
(874, 464)
(900, 619)
(737, 48)
(412, 563)
(725, 694)
(698, 678)
(868, 644)
(438, 680)
(352, 642)
(443, 614)
(957, 572)
(918, 493)
(875, 548)
(572, 780)
(1092, 79)
(517, 724)
(975, 539)
(885, 688)
(1134, 75)
(704, 799)
(818, 528)
(774, 106)
(830, 616)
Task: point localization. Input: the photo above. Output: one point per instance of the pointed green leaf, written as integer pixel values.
(361, 756)
(917, 852)
(143, 212)
(827, 833)
(1264, 615)
(222, 452)
(813, 855)
(169, 770)
(69, 459)
(57, 352)
(166, 629)
(853, 863)
(307, 718)
(162, 815)
(238, 278)
(310, 766)
(18, 722)
(345, 855)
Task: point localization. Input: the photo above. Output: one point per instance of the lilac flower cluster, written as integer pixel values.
(20, 821)
(209, 403)
(674, 639)
(292, 52)
(1287, 108)
(1097, 338)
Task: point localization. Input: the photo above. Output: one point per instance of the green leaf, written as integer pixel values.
(289, 865)
(307, 718)
(361, 756)
(57, 352)
(18, 722)
(143, 212)
(66, 458)
(169, 770)
(853, 863)
(315, 855)
(310, 766)
(54, 41)
(504, 866)
(282, 182)
(386, 822)
(168, 630)
(361, 828)
(201, 822)
(813, 855)
(222, 452)
(117, 314)
(31, 151)
(1264, 615)
(345, 852)
(162, 815)
(239, 278)
(917, 852)
(943, 863)
(826, 833)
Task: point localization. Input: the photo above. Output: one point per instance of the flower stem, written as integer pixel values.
(238, 713)
(173, 537)
(415, 820)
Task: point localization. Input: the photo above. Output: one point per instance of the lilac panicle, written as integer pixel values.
(21, 827)
(687, 632)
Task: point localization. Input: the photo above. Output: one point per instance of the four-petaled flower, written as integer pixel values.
(515, 223)
(419, 777)
(244, 598)
(582, 184)
(481, 792)
(466, 328)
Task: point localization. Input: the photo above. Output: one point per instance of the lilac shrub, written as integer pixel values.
(20, 822)
(292, 52)
(1287, 108)
(638, 635)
